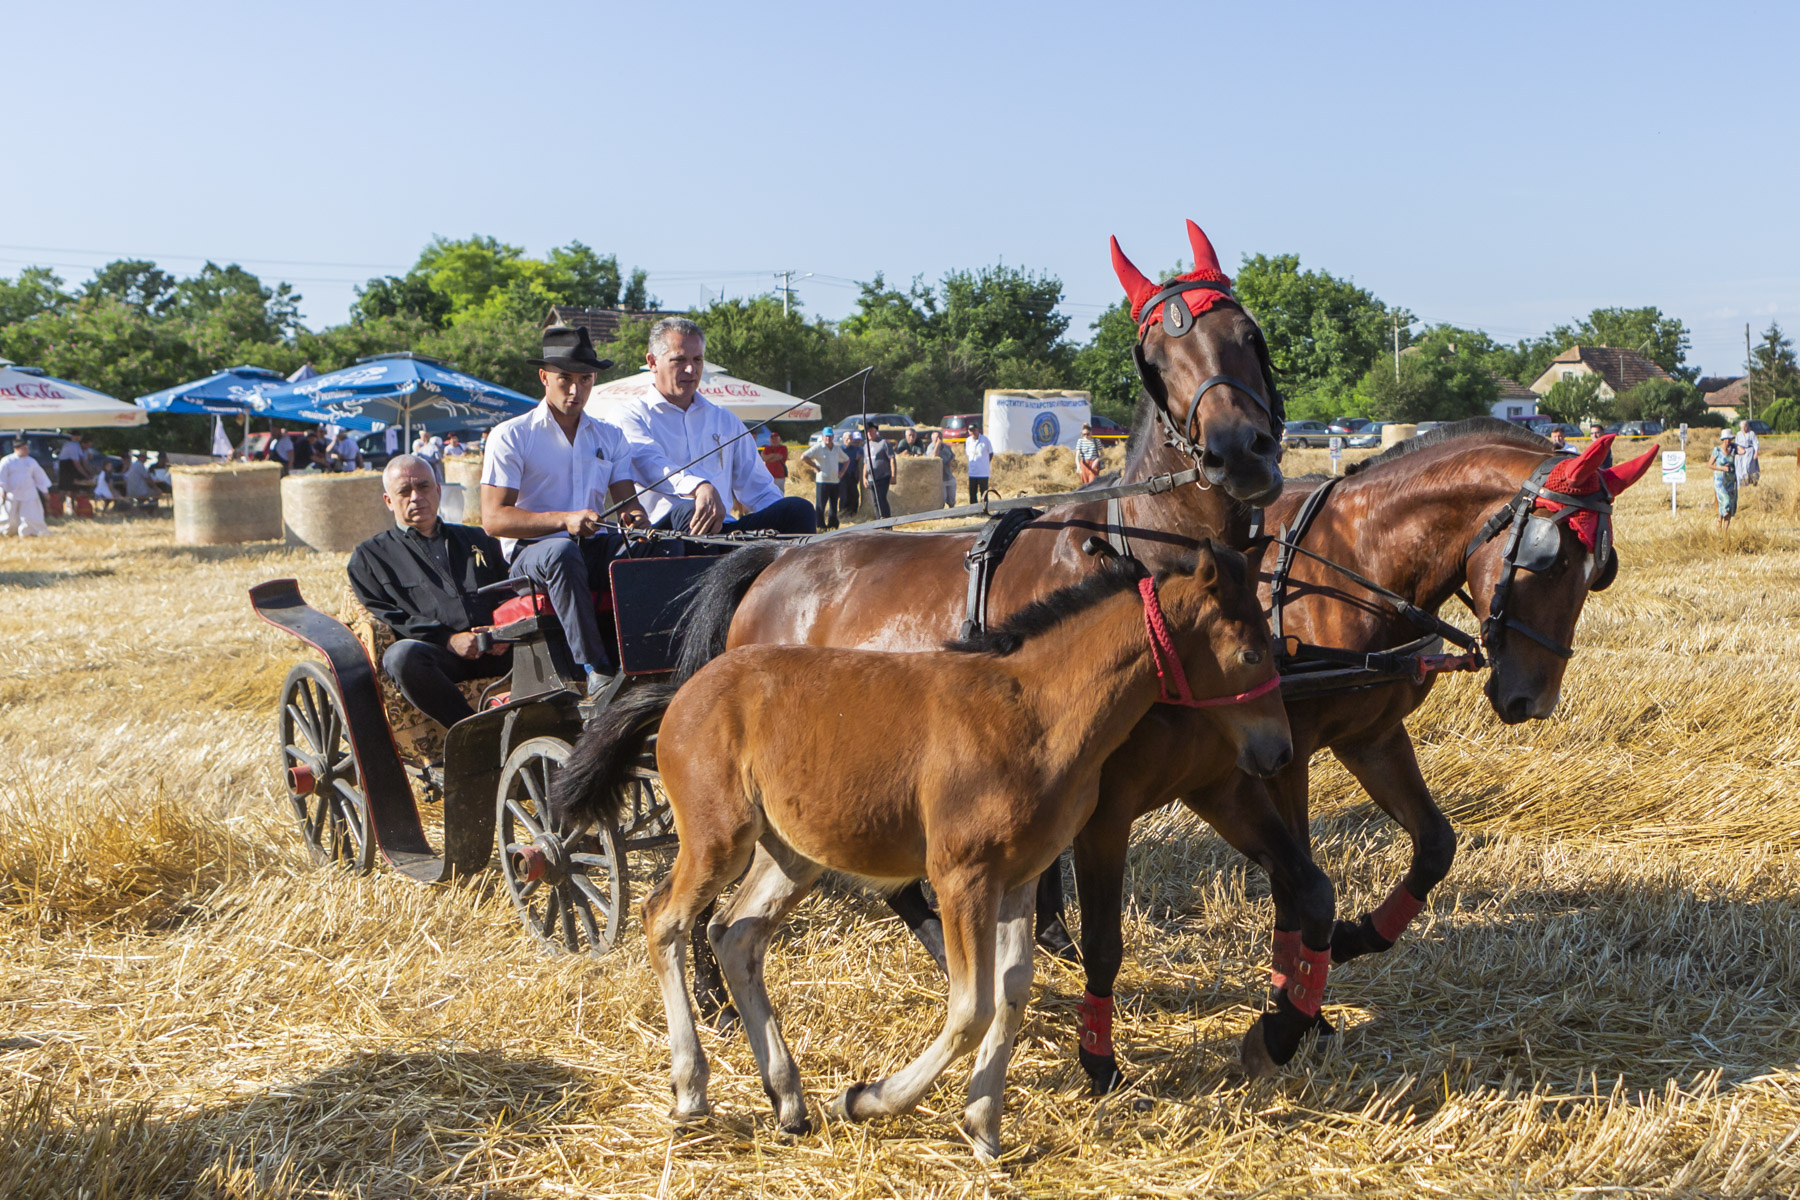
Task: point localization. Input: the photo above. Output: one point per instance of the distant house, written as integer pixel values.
(602, 324)
(1515, 402)
(1725, 396)
(1619, 370)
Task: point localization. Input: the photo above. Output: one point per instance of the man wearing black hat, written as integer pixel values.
(545, 477)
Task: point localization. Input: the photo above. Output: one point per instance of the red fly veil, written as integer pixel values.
(1140, 289)
(1583, 476)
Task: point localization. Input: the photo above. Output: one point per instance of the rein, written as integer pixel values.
(1177, 320)
(1168, 663)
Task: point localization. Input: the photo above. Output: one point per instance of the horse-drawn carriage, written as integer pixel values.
(368, 776)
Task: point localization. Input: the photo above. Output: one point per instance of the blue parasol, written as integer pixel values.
(230, 393)
(404, 389)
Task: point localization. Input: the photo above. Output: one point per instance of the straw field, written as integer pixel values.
(1601, 998)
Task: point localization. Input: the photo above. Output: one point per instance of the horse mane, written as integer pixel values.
(1485, 429)
(1116, 574)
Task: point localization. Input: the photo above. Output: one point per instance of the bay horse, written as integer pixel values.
(888, 591)
(766, 770)
(1422, 520)
(1209, 403)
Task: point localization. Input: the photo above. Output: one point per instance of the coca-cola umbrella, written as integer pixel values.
(406, 390)
(30, 399)
(749, 402)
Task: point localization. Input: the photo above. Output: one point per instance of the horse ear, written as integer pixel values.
(1206, 566)
(1205, 257)
(1136, 286)
(1623, 476)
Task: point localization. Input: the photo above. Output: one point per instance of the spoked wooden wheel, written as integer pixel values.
(319, 770)
(570, 886)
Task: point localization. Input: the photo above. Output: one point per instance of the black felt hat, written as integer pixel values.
(568, 348)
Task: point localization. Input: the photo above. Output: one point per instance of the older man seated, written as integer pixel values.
(420, 579)
(692, 458)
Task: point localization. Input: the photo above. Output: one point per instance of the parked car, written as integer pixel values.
(1344, 426)
(881, 420)
(1635, 428)
(958, 426)
(1428, 426)
(1760, 428)
(1368, 436)
(1108, 430)
(1303, 434)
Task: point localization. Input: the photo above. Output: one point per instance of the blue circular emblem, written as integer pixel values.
(1045, 430)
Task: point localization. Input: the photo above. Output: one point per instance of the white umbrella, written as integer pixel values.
(749, 402)
(30, 399)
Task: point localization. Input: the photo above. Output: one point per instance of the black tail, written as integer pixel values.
(716, 600)
(586, 787)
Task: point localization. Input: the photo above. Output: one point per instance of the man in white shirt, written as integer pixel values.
(282, 448)
(23, 486)
(346, 451)
(981, 460)
(140, 488)
(692, 458)
(74, 466)
(545, 478)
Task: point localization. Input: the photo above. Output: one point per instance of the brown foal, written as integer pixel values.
(1021, 718)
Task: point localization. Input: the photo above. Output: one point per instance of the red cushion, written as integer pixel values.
(520, 607)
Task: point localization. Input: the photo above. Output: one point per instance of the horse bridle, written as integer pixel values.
(1176, 322)
(1535, 544)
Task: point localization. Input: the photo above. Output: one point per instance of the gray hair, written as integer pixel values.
(673, 326)
(405, 461)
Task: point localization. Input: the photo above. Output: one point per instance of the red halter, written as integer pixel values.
(1168, 663)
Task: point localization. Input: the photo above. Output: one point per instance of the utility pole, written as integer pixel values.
(1749, 377)
(787, 292)
(1396, 347)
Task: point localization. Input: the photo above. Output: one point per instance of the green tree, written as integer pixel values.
(1774, 376)
(755, 339)
(135, 283)
(468, 270)
(1445, 377)
(401, 295)
(1105, 367)
(1527, 359)
(1577, 398)
(36, 290)
(1671, 401)
(1324, 333)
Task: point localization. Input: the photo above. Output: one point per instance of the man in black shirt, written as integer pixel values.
(420, 578)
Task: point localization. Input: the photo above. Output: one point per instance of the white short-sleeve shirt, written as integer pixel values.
(552, 474)
(665, 441)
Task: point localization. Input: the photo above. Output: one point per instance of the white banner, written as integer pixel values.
(1024, 422)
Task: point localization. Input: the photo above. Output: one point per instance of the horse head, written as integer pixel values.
(1535, 575)
(1206, 367)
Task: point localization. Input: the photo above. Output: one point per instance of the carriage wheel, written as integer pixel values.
(318, 768)
(570, 887)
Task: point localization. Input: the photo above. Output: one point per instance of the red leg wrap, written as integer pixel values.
(1306, 987)
(1096, 1024)
(1395, 913)
(1284, 957)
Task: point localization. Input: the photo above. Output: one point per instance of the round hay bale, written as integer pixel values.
(223, 505)
(918, 485)
(464, 471)
(335, 513)
(1396, 433)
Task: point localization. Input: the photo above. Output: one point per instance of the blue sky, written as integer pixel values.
(1509, 166)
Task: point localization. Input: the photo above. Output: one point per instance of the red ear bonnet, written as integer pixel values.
(1619, 478)
(1206, 270)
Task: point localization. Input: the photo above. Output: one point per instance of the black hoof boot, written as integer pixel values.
(1350, 941)
(1053, 939)
(1102, 1070)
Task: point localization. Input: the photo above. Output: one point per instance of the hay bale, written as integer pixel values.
(464, 471)
(918, 487)
(335, 513)
(1396, 433)
(224, 505)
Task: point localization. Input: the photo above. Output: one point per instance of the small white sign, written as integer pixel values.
(1674, 466)
(1683, 432)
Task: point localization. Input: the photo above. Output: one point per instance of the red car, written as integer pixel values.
(958, 426)
(1108, 430)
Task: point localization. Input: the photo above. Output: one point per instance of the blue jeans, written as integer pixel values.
(790, 514)
(572, 572)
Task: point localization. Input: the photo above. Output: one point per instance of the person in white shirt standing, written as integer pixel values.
(23, 486)
(544, 480)
(693, 459)
(1749, 455)
(981, 463)
(829, 462)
